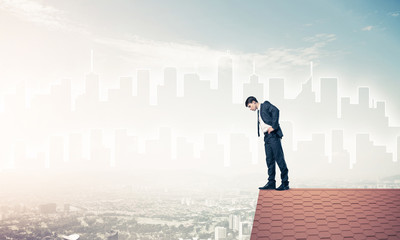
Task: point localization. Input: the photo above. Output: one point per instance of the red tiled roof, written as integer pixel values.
(309, 213)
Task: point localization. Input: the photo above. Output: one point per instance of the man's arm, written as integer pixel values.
(275, 116)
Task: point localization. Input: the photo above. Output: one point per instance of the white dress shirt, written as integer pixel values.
(263, 126)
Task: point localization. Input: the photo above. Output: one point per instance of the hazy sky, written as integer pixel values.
(356, 41)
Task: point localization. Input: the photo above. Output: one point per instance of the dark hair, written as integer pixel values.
(250, 100)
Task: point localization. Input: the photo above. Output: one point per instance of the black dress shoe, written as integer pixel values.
(269, 185)
(283, 186)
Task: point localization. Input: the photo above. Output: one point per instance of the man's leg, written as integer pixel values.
(279, 157)
(270, 159)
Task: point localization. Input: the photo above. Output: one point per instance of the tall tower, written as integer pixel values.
(329, 96)
(92, 82)
(363, 97)
(143, 86)
(225, 78)
(276, 89)
(254, 87)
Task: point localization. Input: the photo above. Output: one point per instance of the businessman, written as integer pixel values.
(268, 121)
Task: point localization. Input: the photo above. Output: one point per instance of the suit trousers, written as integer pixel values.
(274, 153)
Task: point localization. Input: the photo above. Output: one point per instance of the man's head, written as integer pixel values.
(251, 102)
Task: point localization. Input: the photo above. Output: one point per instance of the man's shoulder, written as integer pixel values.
(266, 103)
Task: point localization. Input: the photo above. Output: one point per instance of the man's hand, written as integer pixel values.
(270, 129)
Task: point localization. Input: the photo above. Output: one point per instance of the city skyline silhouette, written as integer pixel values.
(202, 129)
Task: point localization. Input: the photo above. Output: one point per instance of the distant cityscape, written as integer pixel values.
(132, 213)
(97, 207)
(130, 210)
(102, 207)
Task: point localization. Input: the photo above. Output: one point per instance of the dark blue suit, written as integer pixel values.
(272, 142)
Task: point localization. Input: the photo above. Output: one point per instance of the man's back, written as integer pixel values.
(270, 115)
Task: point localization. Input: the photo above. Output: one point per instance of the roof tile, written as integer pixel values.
(317, 213)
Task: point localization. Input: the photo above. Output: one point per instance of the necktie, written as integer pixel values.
(258, 122)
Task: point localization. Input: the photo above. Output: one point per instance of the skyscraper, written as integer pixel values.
(225, 78)
(143, 87)
(329, 97)
(220, 233)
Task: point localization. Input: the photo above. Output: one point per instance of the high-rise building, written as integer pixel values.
(363, 97)
(92, 89)
(220, 233)
(225, 78)
(169, 90)
(253, 88)
(329, 97)
(276, 91)
(143, 87)
(373, 161)
(244, 230)
(236, 223)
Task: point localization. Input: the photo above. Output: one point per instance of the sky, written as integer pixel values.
(355, 41)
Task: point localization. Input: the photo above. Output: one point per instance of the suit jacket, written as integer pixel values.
(270, 115)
